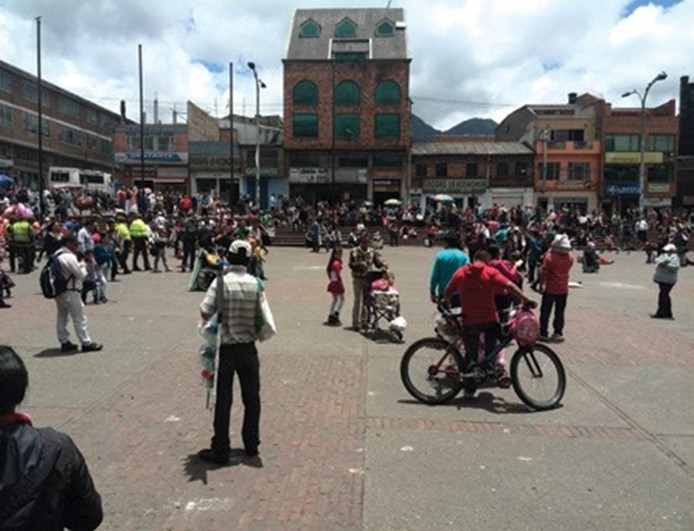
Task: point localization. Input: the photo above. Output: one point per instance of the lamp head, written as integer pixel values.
(627, 94)
(251, 65)
(661, 76)
(262, 85)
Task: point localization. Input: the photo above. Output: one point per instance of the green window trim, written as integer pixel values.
(347, 93)
(305, 125)
(305, 92)
(346, 28)
(347, 126)
(387, 125)
(310, 30)
(387, 93)
(385, 28)
(350, 56)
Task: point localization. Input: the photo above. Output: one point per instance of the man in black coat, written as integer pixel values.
(44, 480)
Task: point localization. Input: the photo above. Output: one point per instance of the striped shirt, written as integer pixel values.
(242, 293)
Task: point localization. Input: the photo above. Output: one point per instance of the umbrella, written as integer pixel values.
(5, 180)
(443, 198)
(392, 202)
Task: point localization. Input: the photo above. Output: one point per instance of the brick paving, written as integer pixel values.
(140, 437)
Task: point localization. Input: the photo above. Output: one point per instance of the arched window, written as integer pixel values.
(385, 28)
(387, 93)
(305, 93)
(310, 29)
(347, 93)
(346, 28)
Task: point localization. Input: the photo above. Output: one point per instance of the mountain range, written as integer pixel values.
(420, 131)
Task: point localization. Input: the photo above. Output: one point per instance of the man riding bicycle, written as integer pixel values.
(477, 284)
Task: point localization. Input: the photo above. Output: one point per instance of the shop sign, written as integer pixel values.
(649, 157)
(212, 162)
(6, 163)
(658, 188)
(623, 189)
(387, 185)
(455, 186)
(164, 157)
(657, 201)
(308, 175)
(573, 185)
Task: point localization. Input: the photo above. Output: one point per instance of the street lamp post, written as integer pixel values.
(642, 131)
(258, 85)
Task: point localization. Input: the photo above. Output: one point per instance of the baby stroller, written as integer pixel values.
(382, 303)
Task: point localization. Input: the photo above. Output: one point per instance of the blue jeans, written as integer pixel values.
(549, 301)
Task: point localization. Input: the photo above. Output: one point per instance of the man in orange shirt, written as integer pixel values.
(554, 286)
(477, 284)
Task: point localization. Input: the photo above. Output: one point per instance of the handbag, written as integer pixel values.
(264, 321)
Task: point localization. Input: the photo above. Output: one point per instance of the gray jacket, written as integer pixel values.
(666, 267)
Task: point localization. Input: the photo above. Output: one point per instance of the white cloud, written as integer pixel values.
(469, 57)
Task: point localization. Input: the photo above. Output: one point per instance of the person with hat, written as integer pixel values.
(667, 265)
(241, 300)
(69, 303)
(554, 286)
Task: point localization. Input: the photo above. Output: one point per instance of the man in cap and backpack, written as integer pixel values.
(69, 302)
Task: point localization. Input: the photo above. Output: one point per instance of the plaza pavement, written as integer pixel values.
(343, 444)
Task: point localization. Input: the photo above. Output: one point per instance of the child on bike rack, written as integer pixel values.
(477, 284)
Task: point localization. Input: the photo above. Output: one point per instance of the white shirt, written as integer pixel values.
(70, 267)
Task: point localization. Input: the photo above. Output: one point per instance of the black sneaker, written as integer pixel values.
(91, 347)
(212, 456)
(251, 451)
(68, 347)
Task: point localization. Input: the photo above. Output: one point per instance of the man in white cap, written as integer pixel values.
(241, 300)
(667, 265)
(554, 285)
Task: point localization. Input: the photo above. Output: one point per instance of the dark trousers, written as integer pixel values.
(471, 340)
(123, 255)
(188, 255)
(243, 360)
(549, 301)
(664, 301)
(140, 248)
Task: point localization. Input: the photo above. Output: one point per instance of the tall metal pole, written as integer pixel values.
(142, 125)
(40, 114)
(258, 84)
(643, 182)
(544, 161)
(233, 190)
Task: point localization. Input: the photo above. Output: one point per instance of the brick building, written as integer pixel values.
(622, 145)
(346, 104)
(685, 156)
(76, 132)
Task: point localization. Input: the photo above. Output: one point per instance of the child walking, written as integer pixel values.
(335, 287)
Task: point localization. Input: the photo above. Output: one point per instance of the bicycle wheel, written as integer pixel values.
(538, 377)
(430, 370)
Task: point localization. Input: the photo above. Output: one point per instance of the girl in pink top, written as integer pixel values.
(335, 286)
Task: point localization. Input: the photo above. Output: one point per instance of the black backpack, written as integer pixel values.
(52, 280)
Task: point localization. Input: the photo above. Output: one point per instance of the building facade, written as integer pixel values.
(685, 156)
(474, 172)
(76, 133)
(346, 105)
(622, 155)
(566, 139)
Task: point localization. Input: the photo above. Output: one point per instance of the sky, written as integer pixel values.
(470, 58)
